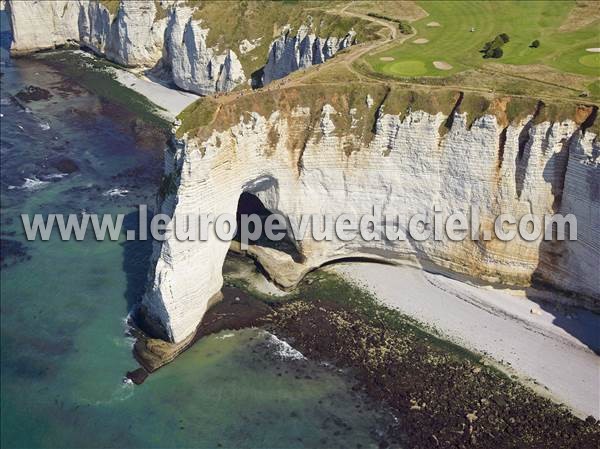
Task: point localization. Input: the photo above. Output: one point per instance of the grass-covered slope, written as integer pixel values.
(208, 114)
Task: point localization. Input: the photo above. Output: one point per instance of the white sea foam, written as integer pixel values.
(223, 337)
(116, 192)
(53, 176)
(31, 184)
(123, 392)
(45, 126)
(283, 348)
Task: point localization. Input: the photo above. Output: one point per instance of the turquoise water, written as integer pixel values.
(63, 307)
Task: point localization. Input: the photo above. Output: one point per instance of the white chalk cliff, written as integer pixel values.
(175, 45)
(304, 161)
(132, 37)
(289, 53)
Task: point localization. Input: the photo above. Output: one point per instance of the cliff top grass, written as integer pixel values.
(208, 114)
(111, 5)
(455, 32)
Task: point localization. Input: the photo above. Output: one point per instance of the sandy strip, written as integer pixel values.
(433, 24)
(593, 50)
(498, 324)
(441, 65)
(386, 58)
(421, 40)
(173, 100)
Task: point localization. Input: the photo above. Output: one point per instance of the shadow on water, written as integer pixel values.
(5, 31)
(136, 260)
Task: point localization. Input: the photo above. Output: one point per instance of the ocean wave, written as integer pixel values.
(223, 337)
(283, 348)
(53, 176)
(121, 393)
(44, 125)
(116, 193)
(31, 184)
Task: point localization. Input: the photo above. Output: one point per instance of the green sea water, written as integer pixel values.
(63, 308)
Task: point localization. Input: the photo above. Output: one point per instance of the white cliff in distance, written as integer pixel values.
(132, 37)
(289, 53)
(170, 40)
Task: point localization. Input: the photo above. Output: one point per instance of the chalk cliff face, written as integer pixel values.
(132, 37)
(289, 53)
(327, 161)
(135, 36)
(195, 66)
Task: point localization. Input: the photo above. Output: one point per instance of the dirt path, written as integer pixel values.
(348, 57)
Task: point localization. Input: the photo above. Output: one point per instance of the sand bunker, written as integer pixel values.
(433, 24)
(421, 40)
(441, 65)
(593, 50)
(386, 58)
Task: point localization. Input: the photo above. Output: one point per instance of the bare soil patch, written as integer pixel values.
(584, 12)
(434, 24)
(441, 65)
(593, 50)
(421, 40)
(386, 58)
(399, 9)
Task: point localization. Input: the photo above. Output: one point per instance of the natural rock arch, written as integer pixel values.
(407, 167)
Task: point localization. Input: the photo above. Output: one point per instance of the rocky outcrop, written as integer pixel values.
(303, 161)
(38, 25)
(289, 53)
(195, 66)
(132, 37)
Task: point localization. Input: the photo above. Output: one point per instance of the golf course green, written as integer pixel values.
(464, 27)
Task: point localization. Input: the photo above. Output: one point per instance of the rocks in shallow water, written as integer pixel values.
(64, 164)
(237, 310)
(12, 252)
(33, 93)
(429, 387)
(137, 376)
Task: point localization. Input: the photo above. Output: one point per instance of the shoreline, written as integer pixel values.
(169, 100)
(545, 345)
(172, 100)
(518, 334)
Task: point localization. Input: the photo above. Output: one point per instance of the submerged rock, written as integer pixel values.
(137, 376)
(33, 93)
(64, 164)
(12, 252)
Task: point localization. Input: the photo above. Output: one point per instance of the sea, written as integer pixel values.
(64, 305)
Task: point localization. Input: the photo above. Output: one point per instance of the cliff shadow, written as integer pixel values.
(248, 204)
(136, 260)
(569, 309)
(5, 34)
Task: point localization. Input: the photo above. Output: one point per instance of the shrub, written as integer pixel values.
(404, 27)
(493, 48)
(497, 53)
(535, 44)
(504, 37)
